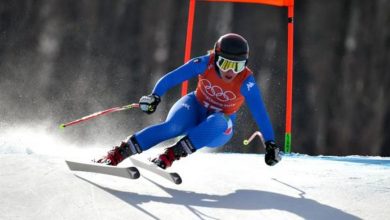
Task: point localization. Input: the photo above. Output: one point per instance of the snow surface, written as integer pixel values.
(35, 183)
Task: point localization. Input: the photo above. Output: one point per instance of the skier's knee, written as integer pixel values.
(221, 123)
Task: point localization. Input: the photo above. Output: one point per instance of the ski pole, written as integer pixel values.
(256, 133)
(96, 114)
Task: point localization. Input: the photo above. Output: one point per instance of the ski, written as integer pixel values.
(126, 172)
(153, 168)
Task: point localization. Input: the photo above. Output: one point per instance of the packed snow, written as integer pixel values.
(35, 183)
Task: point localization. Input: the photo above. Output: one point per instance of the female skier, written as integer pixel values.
(205, 117)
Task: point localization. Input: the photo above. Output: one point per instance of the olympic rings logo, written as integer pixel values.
(217, 92)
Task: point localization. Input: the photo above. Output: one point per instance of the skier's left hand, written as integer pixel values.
(272, 153)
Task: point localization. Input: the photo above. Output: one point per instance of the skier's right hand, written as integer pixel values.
(272, 153)
(148, 103)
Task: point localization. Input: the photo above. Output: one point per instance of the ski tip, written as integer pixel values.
(176, 178)
(134, 173)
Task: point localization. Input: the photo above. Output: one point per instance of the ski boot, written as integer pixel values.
(121, 152)
(181, 149)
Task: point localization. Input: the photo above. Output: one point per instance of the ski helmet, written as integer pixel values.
(232, 46)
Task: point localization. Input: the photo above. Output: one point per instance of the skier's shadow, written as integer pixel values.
(239, 200)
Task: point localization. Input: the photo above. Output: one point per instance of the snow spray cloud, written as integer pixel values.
(50, 75)
(22, 140)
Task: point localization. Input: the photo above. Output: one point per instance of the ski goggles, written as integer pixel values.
(226, 64)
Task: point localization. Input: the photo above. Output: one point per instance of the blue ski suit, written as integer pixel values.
(204, 125)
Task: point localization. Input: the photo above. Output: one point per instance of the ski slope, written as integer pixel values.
(36, 184)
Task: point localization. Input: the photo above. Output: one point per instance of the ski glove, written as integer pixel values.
(148, 103)
(272, 153)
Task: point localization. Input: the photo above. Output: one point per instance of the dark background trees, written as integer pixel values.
(60, 60)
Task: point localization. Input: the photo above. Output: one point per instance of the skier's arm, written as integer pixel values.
(187, 71)
(252, 94)
(192, 68)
